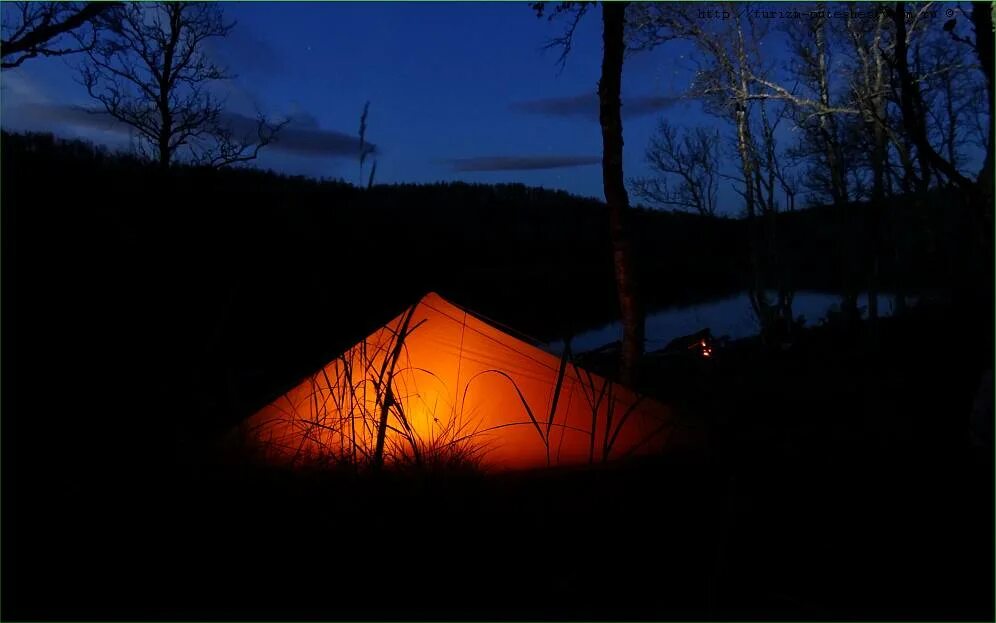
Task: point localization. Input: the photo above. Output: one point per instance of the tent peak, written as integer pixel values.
(432, 296)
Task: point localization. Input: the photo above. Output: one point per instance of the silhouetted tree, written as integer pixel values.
(913, 110)
(613, 182)
(692, 161)
(822, 132)
(982, 22)
(732, 82)
(33, 29)
(982, 44)
(866, 43)
(983, 27)
(825, 141)
(610, 117)
(150, 71)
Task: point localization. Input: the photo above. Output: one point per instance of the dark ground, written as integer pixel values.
(825, 482)
(833, 480)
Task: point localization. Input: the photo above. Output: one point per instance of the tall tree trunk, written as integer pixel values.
(749, 167)
(911, 107)
(165, 121)
(879, 162)
(610, 116)
(877, 216)
(175, 14)
(165, 131)
(982, 20)
(164, 153)
(830, 138)
(755, 224)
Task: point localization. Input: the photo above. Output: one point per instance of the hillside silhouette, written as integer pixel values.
(148, 311)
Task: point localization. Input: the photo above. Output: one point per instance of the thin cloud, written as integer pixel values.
(577, 106)
(44, 116)
(18, 86)
(521, 163)
(586, 106)
(301, 136)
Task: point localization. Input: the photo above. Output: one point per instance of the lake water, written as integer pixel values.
(731, 316)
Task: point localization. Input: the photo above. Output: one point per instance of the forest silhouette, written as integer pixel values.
(235, 393)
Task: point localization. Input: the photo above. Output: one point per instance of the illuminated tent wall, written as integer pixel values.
(447, 384)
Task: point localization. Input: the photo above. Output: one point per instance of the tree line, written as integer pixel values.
(881, 102)
(146, 66)
(884, 102)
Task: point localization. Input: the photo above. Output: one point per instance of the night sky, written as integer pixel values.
(459, 91)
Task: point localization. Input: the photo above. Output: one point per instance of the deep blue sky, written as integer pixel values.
(457, 91)
(447, 83)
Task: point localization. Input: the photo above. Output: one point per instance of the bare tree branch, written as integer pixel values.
(565, 42)
(149, 71)
(911, 101)
(692, 160)
(230, 149)
(39, 26)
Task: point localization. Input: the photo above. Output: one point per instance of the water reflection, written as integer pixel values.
(731, 316)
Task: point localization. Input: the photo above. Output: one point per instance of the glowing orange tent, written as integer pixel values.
(438, 383)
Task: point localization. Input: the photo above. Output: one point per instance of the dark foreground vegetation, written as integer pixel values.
(835, 475)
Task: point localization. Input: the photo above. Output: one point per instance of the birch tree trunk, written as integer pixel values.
(610, 117)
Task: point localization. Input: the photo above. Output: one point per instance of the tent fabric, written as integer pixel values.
(450, 385)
